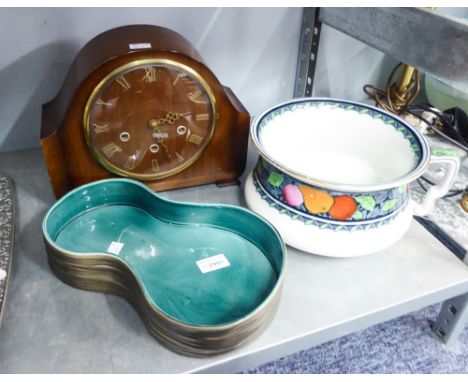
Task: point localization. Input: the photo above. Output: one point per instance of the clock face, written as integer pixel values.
(149, 119)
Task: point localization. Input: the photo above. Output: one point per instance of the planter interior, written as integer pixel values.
(161, 242)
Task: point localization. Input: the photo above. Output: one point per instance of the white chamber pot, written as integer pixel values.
(333, 175)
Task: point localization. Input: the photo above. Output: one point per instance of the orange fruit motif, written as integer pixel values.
(316, 201)
(343, 208)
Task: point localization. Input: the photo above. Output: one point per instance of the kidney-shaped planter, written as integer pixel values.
(205, 278)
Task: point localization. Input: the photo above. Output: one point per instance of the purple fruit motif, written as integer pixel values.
(292, 195)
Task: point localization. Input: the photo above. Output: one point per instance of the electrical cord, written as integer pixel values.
(399, 103)
(389, 98)
(410, 109)
(452, 192)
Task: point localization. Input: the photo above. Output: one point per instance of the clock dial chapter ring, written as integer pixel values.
(169, 126)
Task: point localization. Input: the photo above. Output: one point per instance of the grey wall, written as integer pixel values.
(251, 50)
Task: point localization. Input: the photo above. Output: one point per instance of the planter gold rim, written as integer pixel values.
(192, 343)
(412, 175)
(203, 328)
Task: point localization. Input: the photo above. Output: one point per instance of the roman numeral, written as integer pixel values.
(195, 139)
(102, 103)
(180, 75)
(98, 129)
(150, 74)
(110, 149)
(193, 97)
(179, 157)
(202, 117)
(130, 163)
(155, 165)
(124, 83)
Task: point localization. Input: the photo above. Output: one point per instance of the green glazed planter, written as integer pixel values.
(205, 278)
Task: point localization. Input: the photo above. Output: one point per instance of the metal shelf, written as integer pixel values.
(430, 42)
(49, 327)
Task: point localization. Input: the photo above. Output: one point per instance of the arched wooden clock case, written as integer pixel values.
(139, 101)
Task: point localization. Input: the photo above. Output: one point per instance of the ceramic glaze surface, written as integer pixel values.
(198, 266)
(339, 142)
(333, 175)
(360, 155)
(164, 255)
(325, 208)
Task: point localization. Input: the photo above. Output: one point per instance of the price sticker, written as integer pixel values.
(213, 263)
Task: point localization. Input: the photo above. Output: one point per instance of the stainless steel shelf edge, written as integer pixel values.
(430, 42)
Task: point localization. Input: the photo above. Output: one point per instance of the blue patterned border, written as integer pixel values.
(372, 209)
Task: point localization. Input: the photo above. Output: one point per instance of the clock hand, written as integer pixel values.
(160, 140)
(154, 124)
(172, 117)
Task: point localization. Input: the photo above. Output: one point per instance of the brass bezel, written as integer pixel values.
(127, 67)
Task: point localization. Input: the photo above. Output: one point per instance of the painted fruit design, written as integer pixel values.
(292, 195)
(316, 201)
(343, 208)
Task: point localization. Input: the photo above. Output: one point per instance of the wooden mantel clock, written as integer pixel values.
(139, 102)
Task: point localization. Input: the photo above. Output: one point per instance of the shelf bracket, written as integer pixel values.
(451, 319)
(308, 49)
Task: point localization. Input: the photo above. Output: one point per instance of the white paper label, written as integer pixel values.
(161, 135)
(213, 263)
(140, 45)
(115, 247)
